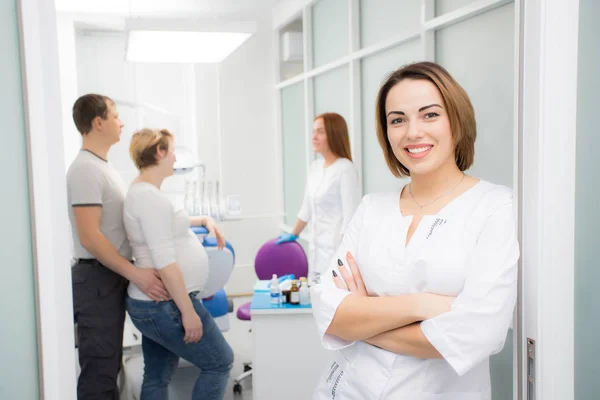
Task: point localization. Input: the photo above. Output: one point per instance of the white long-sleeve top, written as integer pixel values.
(330, 199)
(160, 236)
(469, 250)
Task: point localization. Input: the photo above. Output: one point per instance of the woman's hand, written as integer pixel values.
(214, 230)
(193, 327)
(148, 281)
(351, 278)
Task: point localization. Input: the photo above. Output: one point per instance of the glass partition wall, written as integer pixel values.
(334, 54)
(587, 215)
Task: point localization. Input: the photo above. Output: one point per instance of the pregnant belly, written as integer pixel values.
(193, 262)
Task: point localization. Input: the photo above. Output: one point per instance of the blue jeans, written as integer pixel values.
(162, 345)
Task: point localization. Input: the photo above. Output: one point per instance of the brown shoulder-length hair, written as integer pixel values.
(145, 144)
(337, 134)
(458, 106)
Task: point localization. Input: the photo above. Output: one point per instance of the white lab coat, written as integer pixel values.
(330, 199)
(469, 250)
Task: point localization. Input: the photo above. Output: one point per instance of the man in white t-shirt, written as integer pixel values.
(103, 267)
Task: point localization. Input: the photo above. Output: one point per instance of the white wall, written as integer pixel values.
(207, 118)
(67, 59)
(67, 64)
(225, 115)
(249, 149)
(101, 68)
(284, 11)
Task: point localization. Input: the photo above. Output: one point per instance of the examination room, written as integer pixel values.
(300, 199)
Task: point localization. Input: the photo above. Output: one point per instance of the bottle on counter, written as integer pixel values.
(285, 296)
(275, 293)
(294, 294)
(304, 293)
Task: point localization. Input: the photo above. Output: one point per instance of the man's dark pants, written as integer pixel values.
(99, 311)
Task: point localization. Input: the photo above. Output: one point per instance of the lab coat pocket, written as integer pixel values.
(339, 382)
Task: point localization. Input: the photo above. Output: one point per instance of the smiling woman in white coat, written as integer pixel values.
(331, 195)
(423, 287)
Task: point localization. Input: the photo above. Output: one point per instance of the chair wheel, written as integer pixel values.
(237, 389)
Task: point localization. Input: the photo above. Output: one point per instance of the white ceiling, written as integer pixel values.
(111, 14)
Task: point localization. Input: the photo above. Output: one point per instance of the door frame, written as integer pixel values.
(47, 180)
(518, 362)
(547, 193)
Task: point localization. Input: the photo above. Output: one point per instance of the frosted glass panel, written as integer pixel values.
(587, 199)
(383, 19)
(330, 19)
(332, 92)
(376, 175)
(18, 347)
(479, 53)
(294, 150)
(446, 6)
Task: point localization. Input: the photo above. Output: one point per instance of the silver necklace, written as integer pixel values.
(433, 201)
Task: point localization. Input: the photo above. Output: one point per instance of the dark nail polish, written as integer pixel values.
(340, 263)
(334, 274)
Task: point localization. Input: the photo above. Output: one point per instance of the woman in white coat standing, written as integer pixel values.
(424, 286)
(331, 195)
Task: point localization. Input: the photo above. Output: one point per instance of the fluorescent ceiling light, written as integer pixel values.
(182, 46)
(135, 7)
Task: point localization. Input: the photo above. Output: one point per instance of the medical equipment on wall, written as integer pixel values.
(201, 196)
(188, 188)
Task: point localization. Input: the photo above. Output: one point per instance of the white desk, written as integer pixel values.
(288, 356)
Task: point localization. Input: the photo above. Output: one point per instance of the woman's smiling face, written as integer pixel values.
(418, 127)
